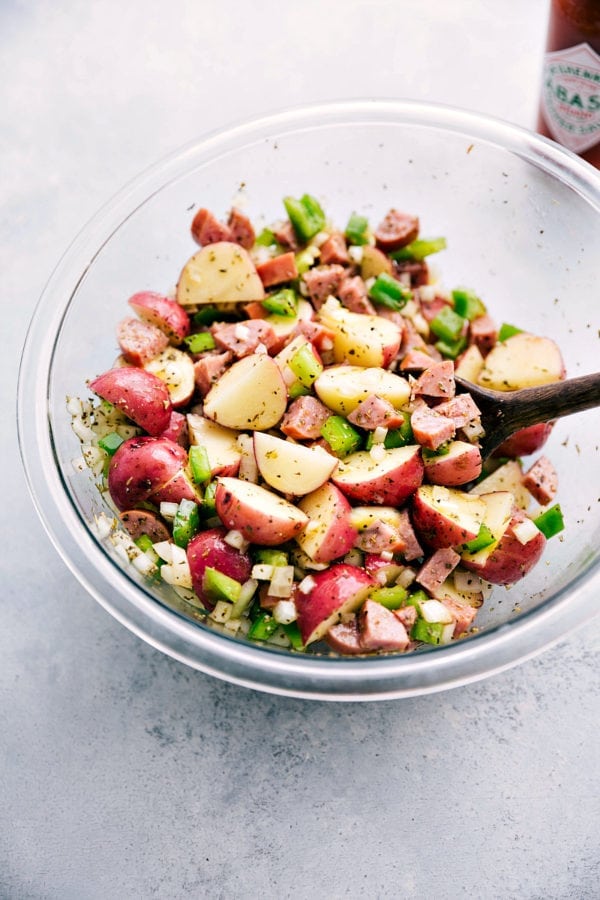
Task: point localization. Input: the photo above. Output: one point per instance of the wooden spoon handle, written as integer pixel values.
(551, 401)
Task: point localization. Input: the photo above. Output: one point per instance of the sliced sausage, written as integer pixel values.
(407, 615)
(438, 567)
(353, 294)
(209, 369)
(396, 230)
(323, 281)
(380, 629)
(141, 521)
(241, 228)
(416, 360)
(407, 533)
(431, 308)
(375, 412)
(416, 270)
(484, 333)
(242, 338)
(304, 419)
(139, 341)
(344, 638)
(429, 428)
(541, 480)
(334, 250)
(379, 538)
(462, 409)
(437, 381)
(462, 613)
(278, 270)
(285, 235)
(206, 229)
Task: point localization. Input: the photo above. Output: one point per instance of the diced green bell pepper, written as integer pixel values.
(186, 522)
(551, 521)
(340, 435)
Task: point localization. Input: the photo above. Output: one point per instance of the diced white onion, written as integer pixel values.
(79, 464)
(525, 531)
(236, 540)
(284, 612)
(447, 632)
(434, 611)
(84, 432)
(164, 549)
(279, 638)
(421, 324)
(246, 594)
(144, 564)
(307, 584)
(353, 558)
(178, 555)
(387, 555)
(326, 344)
(168, 510)
(427, 293)
(469, 583)
(379, 434)
(355, 252)
(406, 577)
(104, 525)
(74, 406)
(177, 574)
(241, 332)
(381, 577)
(282, 581)
(221, 613)
(319, 239)
(262, 572)
(369, 282)
(377, 453)
(261, 349)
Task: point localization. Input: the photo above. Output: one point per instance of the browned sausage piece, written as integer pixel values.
(278, 270)
(242, 230)
(380, 629)
(242, 338)
(541, 480)
(323, 281)
(436, 381)
(344, 638)
(209, 369)
(139, 341)
(206, 229)
(334, 250)
(397, 230)
(142, 521)
(437, 568)
(304, 419)
(353, 294)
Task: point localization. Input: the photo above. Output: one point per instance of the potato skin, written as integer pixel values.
(510, 560)
(141, 396)
(208, 549)
(140, 467)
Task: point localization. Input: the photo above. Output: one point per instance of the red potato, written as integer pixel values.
(259, 514)
(139, 394)
(343, 388)
(388, 482)
(176, 369)
(521, 361)
(140, 467)
(383, 570)
(292, 468)
(139, 341)
(359, 339)
(460, 465)
(329, 533)
(508, 560)
(163, 313)
(179, 488)
(177, 430)
(208, 549)
(219, 273)
(251, 394)
(221, 445)
(336, 591)
(374, 262)
(525, 441)
(140, 522)
(444, 517)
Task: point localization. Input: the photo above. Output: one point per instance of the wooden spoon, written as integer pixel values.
(504, 412)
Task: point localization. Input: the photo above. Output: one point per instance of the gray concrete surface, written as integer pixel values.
(126, 775)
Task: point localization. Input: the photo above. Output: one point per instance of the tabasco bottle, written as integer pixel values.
(570, 94)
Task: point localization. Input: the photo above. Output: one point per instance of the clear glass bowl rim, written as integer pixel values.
(266, 669)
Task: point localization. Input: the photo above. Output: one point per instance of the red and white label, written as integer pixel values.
(571, 96)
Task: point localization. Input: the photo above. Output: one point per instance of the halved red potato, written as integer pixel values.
(219, 273)
(342, 388)
(512, 555)
(521, 361)
(208, 549)
(462, 463)
(162, 312)
(374, 262)
(389, 481)
(140, 467)
(445, 517)
(261, 515)
(221, 445)
(363, 340)
(507, 477)
(336, 591)
(469, 364)
(251, 395)
(292, 468)
(329, 533)
(176, 369)
(525, 441)
(139, 394)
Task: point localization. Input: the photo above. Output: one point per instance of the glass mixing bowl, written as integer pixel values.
(522, 221)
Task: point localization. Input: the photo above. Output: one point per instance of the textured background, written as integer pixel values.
(125, 774)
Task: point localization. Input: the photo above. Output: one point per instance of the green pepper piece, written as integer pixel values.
(207, 315)
(199, 463)
(268, 557)
(467, 304)
(507, 331)
(447, 325)
(265, 239)
(263, 627)
(305, 366)
(208, 502)
(219, 586)
(420, 248)
(551, 521)
(340, 435)
(282, 303)
(306, 216)
(293, 633)
(110, 443)
(389, 292)
(357, 230)
(451, 349)
(416, 598)
(442, 450)
(392, 597)
(198, 343)
(304, 261)
(186, 522)
(484, 539)
(428, 632)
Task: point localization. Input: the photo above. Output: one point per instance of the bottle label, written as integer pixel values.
(571, 96)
